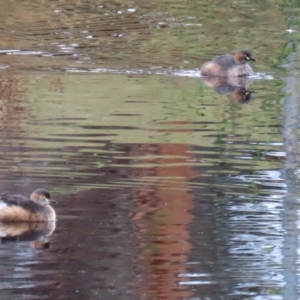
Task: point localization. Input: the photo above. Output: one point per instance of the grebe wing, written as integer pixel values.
(224, 60)
(20, 201)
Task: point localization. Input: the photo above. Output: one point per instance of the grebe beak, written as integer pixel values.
(250, 58)
(53, 201)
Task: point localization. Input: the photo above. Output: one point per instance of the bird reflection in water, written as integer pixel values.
(234, 87)
(37, 233)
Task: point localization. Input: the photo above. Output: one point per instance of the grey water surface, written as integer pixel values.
(167, 186)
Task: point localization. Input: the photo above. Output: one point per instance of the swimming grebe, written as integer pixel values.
(17, 208)
(228, 65)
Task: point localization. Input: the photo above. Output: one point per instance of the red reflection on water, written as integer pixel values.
(162, 220)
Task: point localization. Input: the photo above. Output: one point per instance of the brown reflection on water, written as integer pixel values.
(162, 220)
(13, 115)
(11, 95)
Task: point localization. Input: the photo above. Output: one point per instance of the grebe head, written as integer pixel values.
(41, 196)
(242, 57)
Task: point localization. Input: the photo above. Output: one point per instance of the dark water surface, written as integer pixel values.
(167, 187)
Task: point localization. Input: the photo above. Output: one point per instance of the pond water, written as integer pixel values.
(167, 186)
